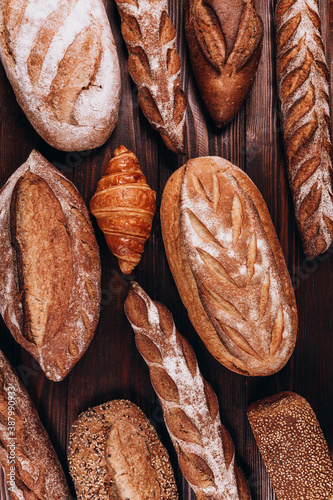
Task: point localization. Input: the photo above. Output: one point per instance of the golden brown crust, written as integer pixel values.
(212, 237)
(206, 453)
(293, 447)
(124, 206)
(114, 452)
(29, 461)
(154, 65)
(50, 286)
(303, 86)
(225, 42)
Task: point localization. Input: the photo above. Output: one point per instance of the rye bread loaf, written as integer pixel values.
(115, 453)
(303, 87)
(61, 60)
(228, 266)
(31, 466)
(205, 450)
(224, 39)
(293, 447)
(50, 268)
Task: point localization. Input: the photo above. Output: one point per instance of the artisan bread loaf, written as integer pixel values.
(228, 265)
(204, 447)
(115, 453)
(303, 86)
(293, 447)
(61, 60)
(50, 268)
(154, 65)
(224, 39)
(30, 464)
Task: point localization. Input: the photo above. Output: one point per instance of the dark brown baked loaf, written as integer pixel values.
(115, 453)
(228, 266)
(224, 38)
(204, 447)
(31, 466)
(293, 447)
(154, 66)
(50, 268)
(303, 86)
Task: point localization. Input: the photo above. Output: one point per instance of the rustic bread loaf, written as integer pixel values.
(124, 206)
(115, 453)
(228, 265)
(50, 268)
(61, 60)
(154, 66)
(303, 86)
(224, 39)
(204, 447)
(293, 447)
(31, 466)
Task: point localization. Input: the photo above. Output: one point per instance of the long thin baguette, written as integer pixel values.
(303, 85)
(154, 65)
(205, 450)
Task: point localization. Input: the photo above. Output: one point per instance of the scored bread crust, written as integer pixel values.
(38, 474)
(60, 320)
(61, 60)
(293, 447)
(114, 452)
(254, 356)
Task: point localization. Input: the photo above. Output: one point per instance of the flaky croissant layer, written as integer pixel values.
(124, 206)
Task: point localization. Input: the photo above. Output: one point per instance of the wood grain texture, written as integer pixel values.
(112, 367)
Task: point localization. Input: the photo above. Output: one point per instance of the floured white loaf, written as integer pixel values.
(228, 265)
(61, 60)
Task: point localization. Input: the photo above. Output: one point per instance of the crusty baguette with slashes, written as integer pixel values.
(205, 450)
(303, 86)
(228, 266)
(50, 268)
(61, 60)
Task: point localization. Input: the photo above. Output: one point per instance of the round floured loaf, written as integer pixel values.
(228, 265)
(61, 60)
(114, 452)
(50, 268)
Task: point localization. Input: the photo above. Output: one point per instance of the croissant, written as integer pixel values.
(124, 206)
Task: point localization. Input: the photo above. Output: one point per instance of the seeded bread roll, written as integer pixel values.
(31, 466)
(293, 447)
(303, 86)
(61, 60)
(50, 268)
(115, 453)
(228, 266)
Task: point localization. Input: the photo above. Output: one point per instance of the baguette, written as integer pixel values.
(224, 39)
(61, 60)
(204, 447)
(30, 464)
(293, 447)
(303, 87)
(228, 266)
(115, 453)
(50, 268)
(154, 65)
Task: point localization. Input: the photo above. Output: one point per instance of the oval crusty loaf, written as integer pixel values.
(293, 447)
(31, 466)
(206, 453)
(50, 268)
(224, 38)
(61, 60)
(114, 452)
(228, 265)
(303, 85)
(154, 65)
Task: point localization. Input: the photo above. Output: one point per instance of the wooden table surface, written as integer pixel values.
(112, 367)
